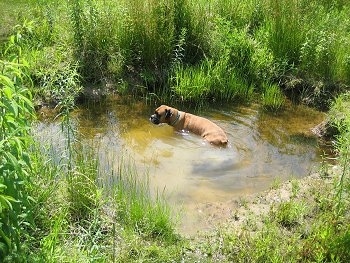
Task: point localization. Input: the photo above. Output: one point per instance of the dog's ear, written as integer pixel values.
(168, 113)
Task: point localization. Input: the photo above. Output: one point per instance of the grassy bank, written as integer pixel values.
(53, 206)
(232, 51)
(58, 211)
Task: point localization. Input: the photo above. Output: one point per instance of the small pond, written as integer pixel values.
(264, 148)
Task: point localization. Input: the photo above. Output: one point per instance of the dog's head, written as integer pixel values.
(162, 114)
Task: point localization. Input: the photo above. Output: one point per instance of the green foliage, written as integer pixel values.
(136, 250)
(272, 97)
(136, 209)
(266, 245)
(77, 223)
(189, 18)
(192, 83)
(238, 64)
(299, 45)
(52, 71)
(247, 14)
(323, 55)
(69, 219)
(328, 242)
(340, 117)
(243, 54)
(93, 33)
(130, 37)
(195, 51)
(55, 77)
(153, 32)
(209, 80)
(16, 111)
(283, 29)
(340, 112)
(83, 193)
(289, 214)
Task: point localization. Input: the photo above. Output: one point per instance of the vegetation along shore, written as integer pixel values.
(194, 53)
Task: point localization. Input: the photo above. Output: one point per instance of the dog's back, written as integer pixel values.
(205, 128)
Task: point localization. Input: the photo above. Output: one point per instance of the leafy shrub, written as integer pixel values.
(15, 115)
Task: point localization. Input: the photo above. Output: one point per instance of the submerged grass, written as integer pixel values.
(136, 208)
(78, 219)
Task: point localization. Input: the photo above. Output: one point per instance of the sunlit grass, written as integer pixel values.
(137, 209)
(289, 214)
(137, 42)
(192, 83)
(272, 97)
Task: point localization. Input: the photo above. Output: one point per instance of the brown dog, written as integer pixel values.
(185, 121)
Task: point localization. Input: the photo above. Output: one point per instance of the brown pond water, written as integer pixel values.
(263, 148)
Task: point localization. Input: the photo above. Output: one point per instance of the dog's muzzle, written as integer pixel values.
(154, 119)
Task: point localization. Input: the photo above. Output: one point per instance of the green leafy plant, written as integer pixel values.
(16, 111)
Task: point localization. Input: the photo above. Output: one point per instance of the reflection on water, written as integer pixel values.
(262, 147)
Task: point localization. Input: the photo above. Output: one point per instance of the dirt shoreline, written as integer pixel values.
(236, 213)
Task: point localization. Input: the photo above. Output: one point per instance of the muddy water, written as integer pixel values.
(263, 149)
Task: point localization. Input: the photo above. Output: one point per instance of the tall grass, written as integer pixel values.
(209, 81)
(54, 212)
(301, 46)
(322, 53)
(93, 32)
(333, 237)
(68, 211)
(272, 97)
(137, 209)
(78, 220)
(131, 38)
(283, 28)
(52, 69)
(339, 116)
